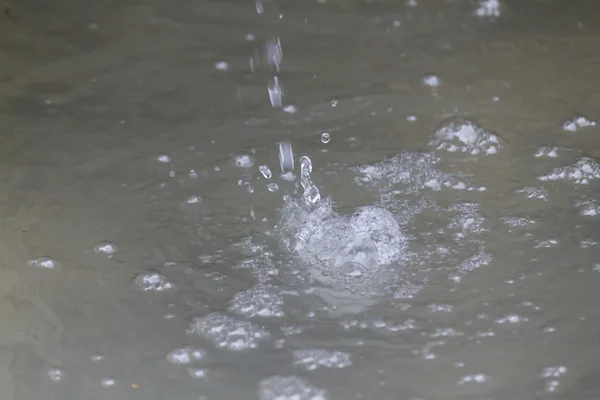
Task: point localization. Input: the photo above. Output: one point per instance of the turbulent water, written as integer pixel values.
(317, 200)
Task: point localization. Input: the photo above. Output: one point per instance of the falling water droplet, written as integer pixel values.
(286, 156)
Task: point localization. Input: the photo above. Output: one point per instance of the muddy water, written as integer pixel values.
(437, 241)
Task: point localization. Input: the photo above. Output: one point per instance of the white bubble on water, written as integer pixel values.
(550, 374)
(587, 243)
(163, 158)
(582, 171)
(290, 109)
(108, 382)
(107, 248)
(222, 65)
(546, 151)
(458, 134)
(43, 262)
(334, 103)
(55, 374)
(534, 192)
(312, 359)
(549, 243)
(476, 378)
(227, 332)
(289, 388)
(488, 8)
(411, 171)
(243, 161)
(588, 208)
(431, 81)
(325, 137)
(272, 187)
(511, 319)
(193, 200)
(257, 302)
(197, 373)
(185, 355)
(152, 281)
(436, 308)
(517, 221)
(577, 123)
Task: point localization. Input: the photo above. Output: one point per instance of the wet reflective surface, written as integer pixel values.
(300, 200)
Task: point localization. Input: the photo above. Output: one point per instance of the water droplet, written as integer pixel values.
(275, 93)
(265, 171)
(272, 187)
(334, 103)
(325, 137)
(286, 156)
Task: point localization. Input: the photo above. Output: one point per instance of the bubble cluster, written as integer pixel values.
(289, 388)
(546, 151)
(227, 332)
(312, 359)
(185, 355)
(488, 8)
(589, 208)
(243, 161)
(551, 374)
(153, 281)
(107, 248)
(465, 135)
(582, 171)
(574, 124)
(534, 192)
(408, 172)
(258, 301)
(476, 378)
(43, 262)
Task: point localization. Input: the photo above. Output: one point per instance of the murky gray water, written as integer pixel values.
(436, 239)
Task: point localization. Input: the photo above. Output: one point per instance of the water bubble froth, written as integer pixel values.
(289, 388)
(574, 124)
(152, 281)
(581, 172)
(412, 171)
(464, 135)
(227, 332)
(185, 355)
(257, 302)
(312, 359)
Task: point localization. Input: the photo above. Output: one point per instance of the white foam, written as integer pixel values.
(227, 332)
(581, 172)
(465, 135)
(312, 359)
(289, 388)
(258, 301)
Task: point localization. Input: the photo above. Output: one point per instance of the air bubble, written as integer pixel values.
(464, 135)
(152, 281)
(257, 302)
(163, 158)
(325, 137)
(222, 65)
(227, 332)
(243, 161)
(577, 123)
(43, 262)
(431, 81)
(108, 382)
(107, 248)
(289, 388)
(334, 103)
(56, 374)
(312, 359)
(185, 355)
